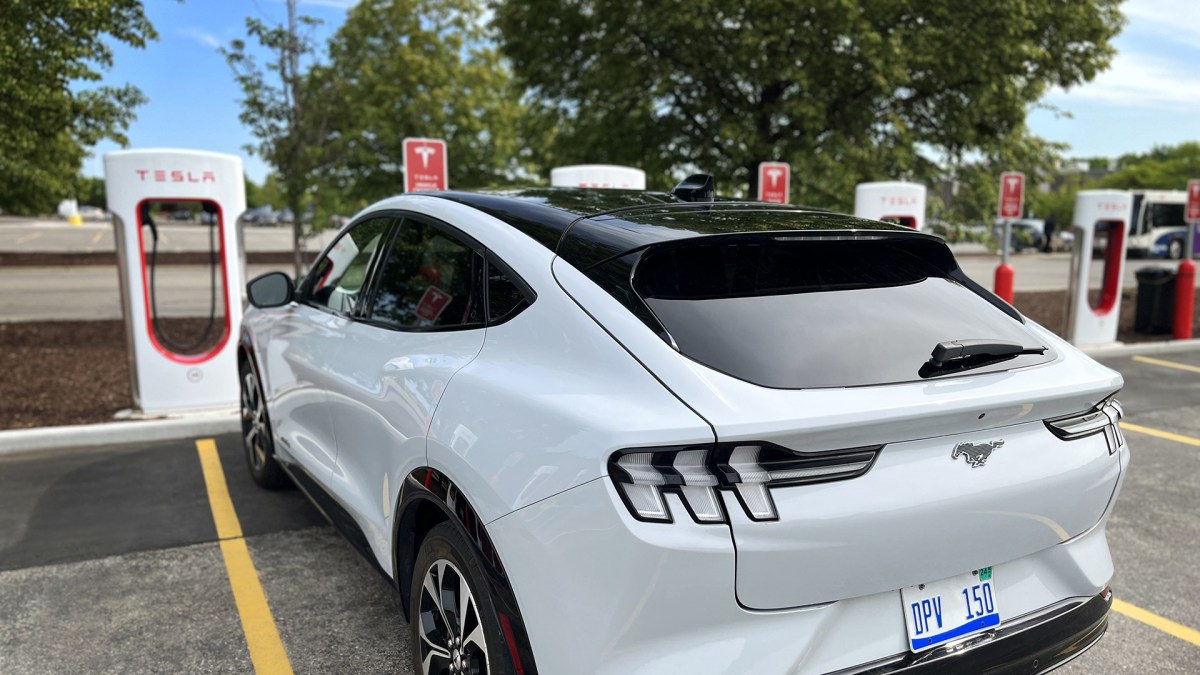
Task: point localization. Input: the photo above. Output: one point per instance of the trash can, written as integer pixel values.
(1155, 300)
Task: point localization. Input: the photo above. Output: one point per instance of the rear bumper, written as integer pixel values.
(603, 593)
(1035, 643)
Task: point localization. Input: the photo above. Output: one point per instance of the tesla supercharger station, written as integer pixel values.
(895, 202)
(179, 364)
(1101, 226)
(598, 176)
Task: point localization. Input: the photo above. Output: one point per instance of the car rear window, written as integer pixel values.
(812, 312)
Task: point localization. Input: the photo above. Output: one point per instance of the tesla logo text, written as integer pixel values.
(1110, 206)
(425, 151)
(898, 201)
(162, 176)
(976, 453)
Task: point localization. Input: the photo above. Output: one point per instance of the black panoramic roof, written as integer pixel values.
(588, 226)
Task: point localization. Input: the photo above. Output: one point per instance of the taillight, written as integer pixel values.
(749, 470)
(1105, 418)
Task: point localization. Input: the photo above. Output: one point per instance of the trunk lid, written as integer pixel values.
(921, 514)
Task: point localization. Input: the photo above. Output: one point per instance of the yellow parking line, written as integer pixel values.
(1178, 438)
(1167, 364)
(1155, 621)
(29, 237)
(262, 637)
(96, 239)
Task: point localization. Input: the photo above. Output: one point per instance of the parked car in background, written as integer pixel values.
(1026, 234)
(262, 215)
(589, 431)
(93, 213)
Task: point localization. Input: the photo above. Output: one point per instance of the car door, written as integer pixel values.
(424, 322)
(302, 351)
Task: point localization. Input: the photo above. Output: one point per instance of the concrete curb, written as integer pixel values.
(123, 432)
(1121, 349)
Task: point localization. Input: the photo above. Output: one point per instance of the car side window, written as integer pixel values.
(506, 294)
(430, 279)
(338, 280)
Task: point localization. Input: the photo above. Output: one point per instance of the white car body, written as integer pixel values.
(525, 419)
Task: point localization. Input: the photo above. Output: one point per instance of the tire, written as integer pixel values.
(446, 641)
(1175, 249)
(257, 439)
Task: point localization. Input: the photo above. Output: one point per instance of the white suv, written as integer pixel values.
(634, 432)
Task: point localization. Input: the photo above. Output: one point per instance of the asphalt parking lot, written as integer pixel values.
(166, 558)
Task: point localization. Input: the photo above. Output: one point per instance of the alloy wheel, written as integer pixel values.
(451, 632)
(254, 421)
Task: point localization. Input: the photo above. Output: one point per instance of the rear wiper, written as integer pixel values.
(966, 354)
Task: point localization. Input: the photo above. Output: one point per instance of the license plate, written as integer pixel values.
(941, 611)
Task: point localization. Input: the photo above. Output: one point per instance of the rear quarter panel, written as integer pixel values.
(551, 394)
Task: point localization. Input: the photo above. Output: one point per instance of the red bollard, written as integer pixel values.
(1185, 299)
(1004, 282)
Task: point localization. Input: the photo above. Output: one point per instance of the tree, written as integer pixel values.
(417, 68)
(1163, 168)
(47, 121)
(845, 91)
(283, 110)
(91, 191)
(978, 181)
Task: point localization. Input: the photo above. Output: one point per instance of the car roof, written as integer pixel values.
(588, 226)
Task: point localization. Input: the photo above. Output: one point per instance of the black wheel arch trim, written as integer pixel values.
(429, 488)
(246, 348)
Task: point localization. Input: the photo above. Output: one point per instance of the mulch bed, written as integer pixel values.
(77, 372)
(67, 372)
(1049, 309)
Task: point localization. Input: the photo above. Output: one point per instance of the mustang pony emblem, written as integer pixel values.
(976, 453)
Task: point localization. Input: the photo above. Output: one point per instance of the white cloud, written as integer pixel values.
(1139, 81)
(202, 36)
(1177, 20)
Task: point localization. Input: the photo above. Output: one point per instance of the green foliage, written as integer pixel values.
(47, 121)
(979, 181)
(417, 68)
(845, 90)
(279, 107)
(1163, 168)
(333, 130)
(91, 191)
(252, 193)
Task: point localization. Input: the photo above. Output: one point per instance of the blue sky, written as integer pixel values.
(1150, 96)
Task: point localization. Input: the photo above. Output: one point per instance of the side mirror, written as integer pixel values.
(273, 289)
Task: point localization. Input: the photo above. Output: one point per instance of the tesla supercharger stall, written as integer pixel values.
(182, 326)
(894, 202)
(598, 176)
(1101, 226)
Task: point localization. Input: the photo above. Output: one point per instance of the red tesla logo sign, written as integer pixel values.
(424, 164)
(774, 182)
(1012, 194)
(432, 303)
(1193, 204)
